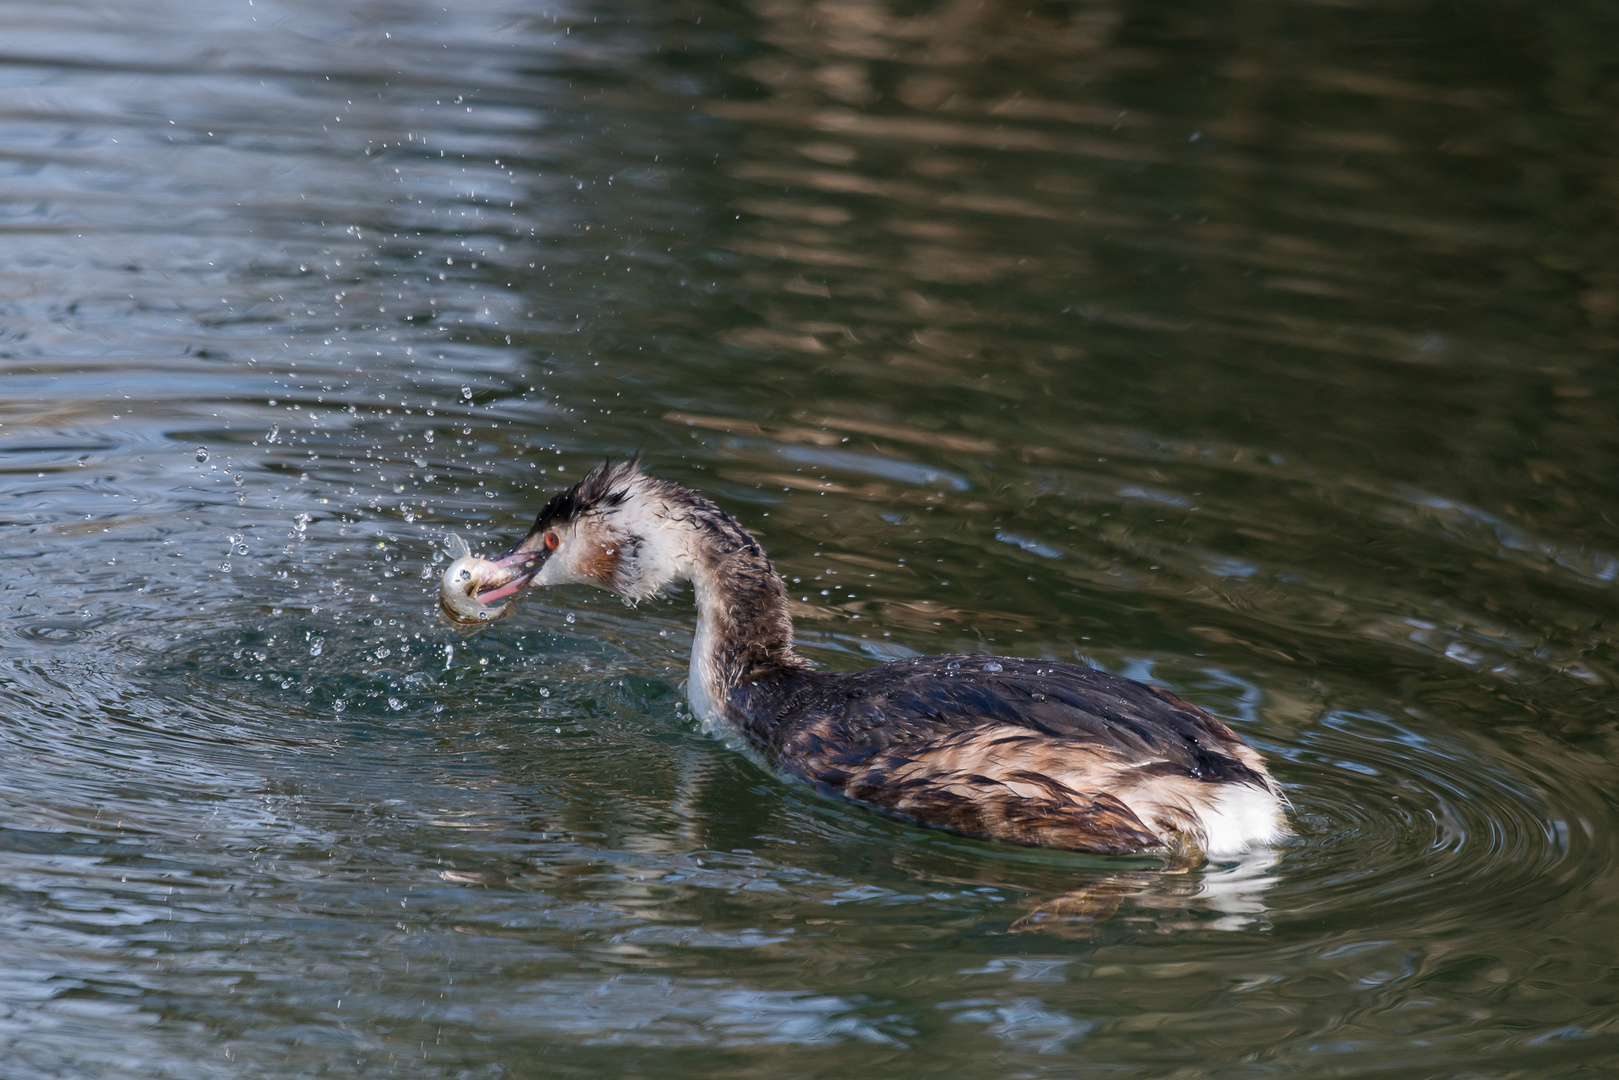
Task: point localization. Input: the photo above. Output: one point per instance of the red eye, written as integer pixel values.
(552, 540)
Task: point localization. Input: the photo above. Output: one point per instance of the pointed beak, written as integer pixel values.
(509, 575)
(517, 566)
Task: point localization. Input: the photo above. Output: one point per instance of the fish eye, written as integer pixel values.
(552, 540)
(465, 574)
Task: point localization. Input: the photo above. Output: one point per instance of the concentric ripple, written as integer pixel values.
(1403, 822)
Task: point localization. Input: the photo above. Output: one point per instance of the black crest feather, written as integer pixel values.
(605, 486)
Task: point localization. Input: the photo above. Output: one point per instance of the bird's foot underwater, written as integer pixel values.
(1076, 913)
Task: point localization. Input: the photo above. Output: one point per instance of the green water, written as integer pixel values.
(1262, 351)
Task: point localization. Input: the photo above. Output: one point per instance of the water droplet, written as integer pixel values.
(315, 649)
(466, 392)
(238, 479)
(202, 453)
(428, 437)
(570, 618)
(992, 666)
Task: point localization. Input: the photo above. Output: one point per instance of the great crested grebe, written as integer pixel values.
(1026, 751)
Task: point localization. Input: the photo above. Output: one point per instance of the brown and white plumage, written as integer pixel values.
(1029, 752)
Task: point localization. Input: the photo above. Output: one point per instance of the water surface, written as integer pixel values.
(1260, 351)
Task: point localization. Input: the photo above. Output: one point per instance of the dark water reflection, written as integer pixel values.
(1263, 351)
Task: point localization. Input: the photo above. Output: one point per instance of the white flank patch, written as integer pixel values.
(1240, 817)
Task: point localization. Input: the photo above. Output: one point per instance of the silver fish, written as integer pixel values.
(463, 580)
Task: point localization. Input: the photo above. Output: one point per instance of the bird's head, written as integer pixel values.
(608, 530)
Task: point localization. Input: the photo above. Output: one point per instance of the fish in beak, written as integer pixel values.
(475, 591)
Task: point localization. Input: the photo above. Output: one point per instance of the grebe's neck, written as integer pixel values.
(744, 628)
(624, 531)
